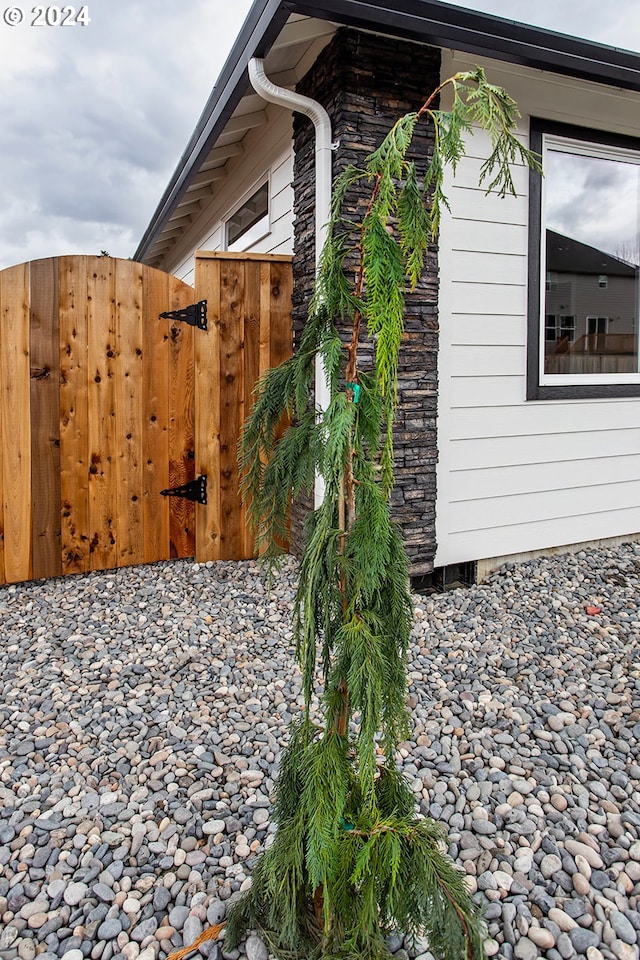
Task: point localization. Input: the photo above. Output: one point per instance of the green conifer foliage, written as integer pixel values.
(352, 860)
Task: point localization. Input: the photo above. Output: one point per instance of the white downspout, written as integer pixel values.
(324, 148)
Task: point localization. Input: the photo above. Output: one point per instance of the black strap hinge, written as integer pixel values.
(195, 490)
(195, 315)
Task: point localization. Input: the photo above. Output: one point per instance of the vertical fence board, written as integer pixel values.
(207, 410)
(16, 423)
(45, 418)
(155, 416)
(74, 421)
(265, 317)
(129, 390)
(14, 345)
(265, 334)
(4, 300)
(102, 367)
(232, 360)
(182, 525)
(281, 329)
(252, 348)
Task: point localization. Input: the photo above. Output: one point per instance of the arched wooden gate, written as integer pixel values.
(104, 404)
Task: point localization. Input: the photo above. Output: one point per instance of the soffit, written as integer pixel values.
(294, 51)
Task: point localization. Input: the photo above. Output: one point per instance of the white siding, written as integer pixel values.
(516, 475)
(268, 151)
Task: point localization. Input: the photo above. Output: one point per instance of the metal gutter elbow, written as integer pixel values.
(324, 145)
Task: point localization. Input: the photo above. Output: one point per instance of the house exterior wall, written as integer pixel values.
(580, 295)
(366, 83)
(267, 154)
(517, 475)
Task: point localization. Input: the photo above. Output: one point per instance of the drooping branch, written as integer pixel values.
(351, 858)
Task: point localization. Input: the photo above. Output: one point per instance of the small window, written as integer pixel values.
(597, 325)
(584, 290)
(250, 222)
(559, 328)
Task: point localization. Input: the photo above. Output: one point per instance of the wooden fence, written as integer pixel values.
(249, 305)
(103, 404)
(595, 353)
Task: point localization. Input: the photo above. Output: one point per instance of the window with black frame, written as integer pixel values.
(584, 291)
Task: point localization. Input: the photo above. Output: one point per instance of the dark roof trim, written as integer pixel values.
(568, 255)
(486, 35)
(423, 20)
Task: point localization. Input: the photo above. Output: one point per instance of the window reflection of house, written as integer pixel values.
(591, 309)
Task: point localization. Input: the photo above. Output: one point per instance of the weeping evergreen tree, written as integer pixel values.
(352, 860)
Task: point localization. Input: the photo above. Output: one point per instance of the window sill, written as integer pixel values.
(593, 391)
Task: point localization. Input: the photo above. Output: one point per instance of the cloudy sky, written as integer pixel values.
(578, 189)
(93, 119)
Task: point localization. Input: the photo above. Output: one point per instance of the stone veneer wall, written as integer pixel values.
(366, 83)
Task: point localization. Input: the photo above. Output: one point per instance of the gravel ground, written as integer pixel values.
(142, 713)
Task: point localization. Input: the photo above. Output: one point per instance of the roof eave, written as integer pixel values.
(486, 35)
(429, 22)
(262, 26)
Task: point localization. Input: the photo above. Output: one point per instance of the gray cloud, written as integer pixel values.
(594, 201)
(93, 120)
